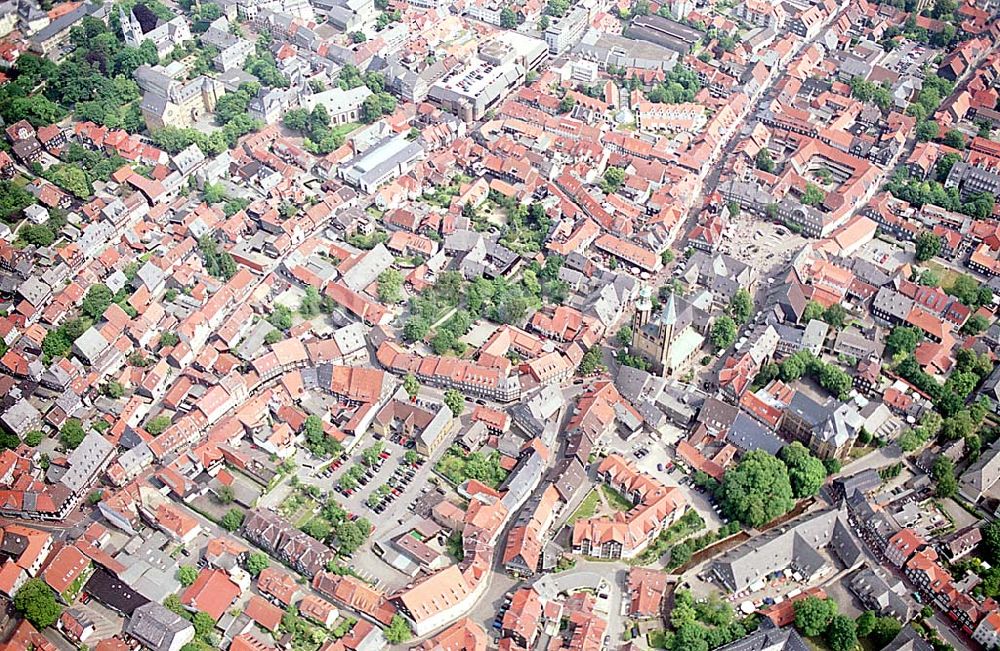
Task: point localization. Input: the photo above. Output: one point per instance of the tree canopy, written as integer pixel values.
(257, 563)
(741, 306)
(233, 519)
(37, 602)
(72, 433)
(813, 615)
(806, 473)
(455, 402)
(841, 633)
(350, 536)
(943, 473)
(723, 332)
(398, 630)
(757, 490)
(928, 245)
(187, 575)
(813, 195)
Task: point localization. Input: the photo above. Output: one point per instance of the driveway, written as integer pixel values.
(605, 578)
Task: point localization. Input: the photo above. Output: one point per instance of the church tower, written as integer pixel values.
(131, 29)
(643, 311)
(668, 322)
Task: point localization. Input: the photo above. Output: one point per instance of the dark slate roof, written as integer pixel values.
(860, 482)
(748, 434)
(113, 592)
(808, 409)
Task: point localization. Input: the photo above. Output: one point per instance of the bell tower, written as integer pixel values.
(131, 29)
(643, 311)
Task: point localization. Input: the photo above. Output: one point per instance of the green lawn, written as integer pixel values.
(616, 500)
(345, 129)
(587, 507)
(946, 274)
(305, 514)
(816, 643)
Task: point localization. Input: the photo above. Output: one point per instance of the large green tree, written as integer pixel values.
(943, 472)
(903, 339)
(723, 332)
(350, 537)
(508, 19)
(991, 542)
(390, 286)
(841, 633)
(187, 575)
(455, 402)
(928, 245)
(37, 602)
(813, 615)
(233, 519)
(741, 306)
(757, 490)
(805, 472)
(813, 195)
(72, 433)
(764, 161)
(257, 563)
(398, 630)
(411, 385)
(97, 300)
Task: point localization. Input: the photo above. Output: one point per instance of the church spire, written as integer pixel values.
(669, 315)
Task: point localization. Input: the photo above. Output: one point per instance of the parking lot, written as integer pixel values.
(390, 470)
(407, 485)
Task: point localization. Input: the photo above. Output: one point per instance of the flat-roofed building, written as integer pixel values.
(470, 91)
(390, 158)
(613, 49)
(563, 33)
(664, 32)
